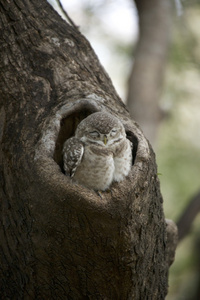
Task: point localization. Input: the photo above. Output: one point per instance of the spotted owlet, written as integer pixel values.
(99, 153)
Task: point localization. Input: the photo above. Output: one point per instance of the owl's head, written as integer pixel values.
(101, 129)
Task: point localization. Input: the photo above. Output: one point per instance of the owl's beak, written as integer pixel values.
(105, 139)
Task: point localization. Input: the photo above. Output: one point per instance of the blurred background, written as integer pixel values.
(152, 53)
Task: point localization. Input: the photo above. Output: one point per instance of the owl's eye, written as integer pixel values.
(94, 133)
(113, 131)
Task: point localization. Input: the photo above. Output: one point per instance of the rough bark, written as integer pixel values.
(60, 240)
(146, 78)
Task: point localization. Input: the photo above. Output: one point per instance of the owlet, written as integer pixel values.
(99, 153)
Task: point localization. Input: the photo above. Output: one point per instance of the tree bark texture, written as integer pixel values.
(146, 78)
(59, 240)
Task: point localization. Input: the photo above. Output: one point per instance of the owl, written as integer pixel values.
(99, 153)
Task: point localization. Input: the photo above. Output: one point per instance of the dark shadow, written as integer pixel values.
(131, 136)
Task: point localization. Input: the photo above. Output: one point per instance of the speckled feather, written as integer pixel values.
(72, 154)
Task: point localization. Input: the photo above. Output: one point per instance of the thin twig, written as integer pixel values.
(66, 14)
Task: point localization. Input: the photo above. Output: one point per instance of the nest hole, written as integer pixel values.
(68, 127)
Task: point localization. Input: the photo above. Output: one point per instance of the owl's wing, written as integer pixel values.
(72, 154)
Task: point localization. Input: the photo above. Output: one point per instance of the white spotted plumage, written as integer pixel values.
(99, 153)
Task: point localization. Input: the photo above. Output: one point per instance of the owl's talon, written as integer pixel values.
(99, 194)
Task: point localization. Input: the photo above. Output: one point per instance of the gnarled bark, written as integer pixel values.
(60, 240)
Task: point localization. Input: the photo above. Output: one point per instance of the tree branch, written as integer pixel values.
(66, 14)
(185, 221)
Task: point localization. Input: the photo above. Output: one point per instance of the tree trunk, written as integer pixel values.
(60, 240)
(146, 78)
